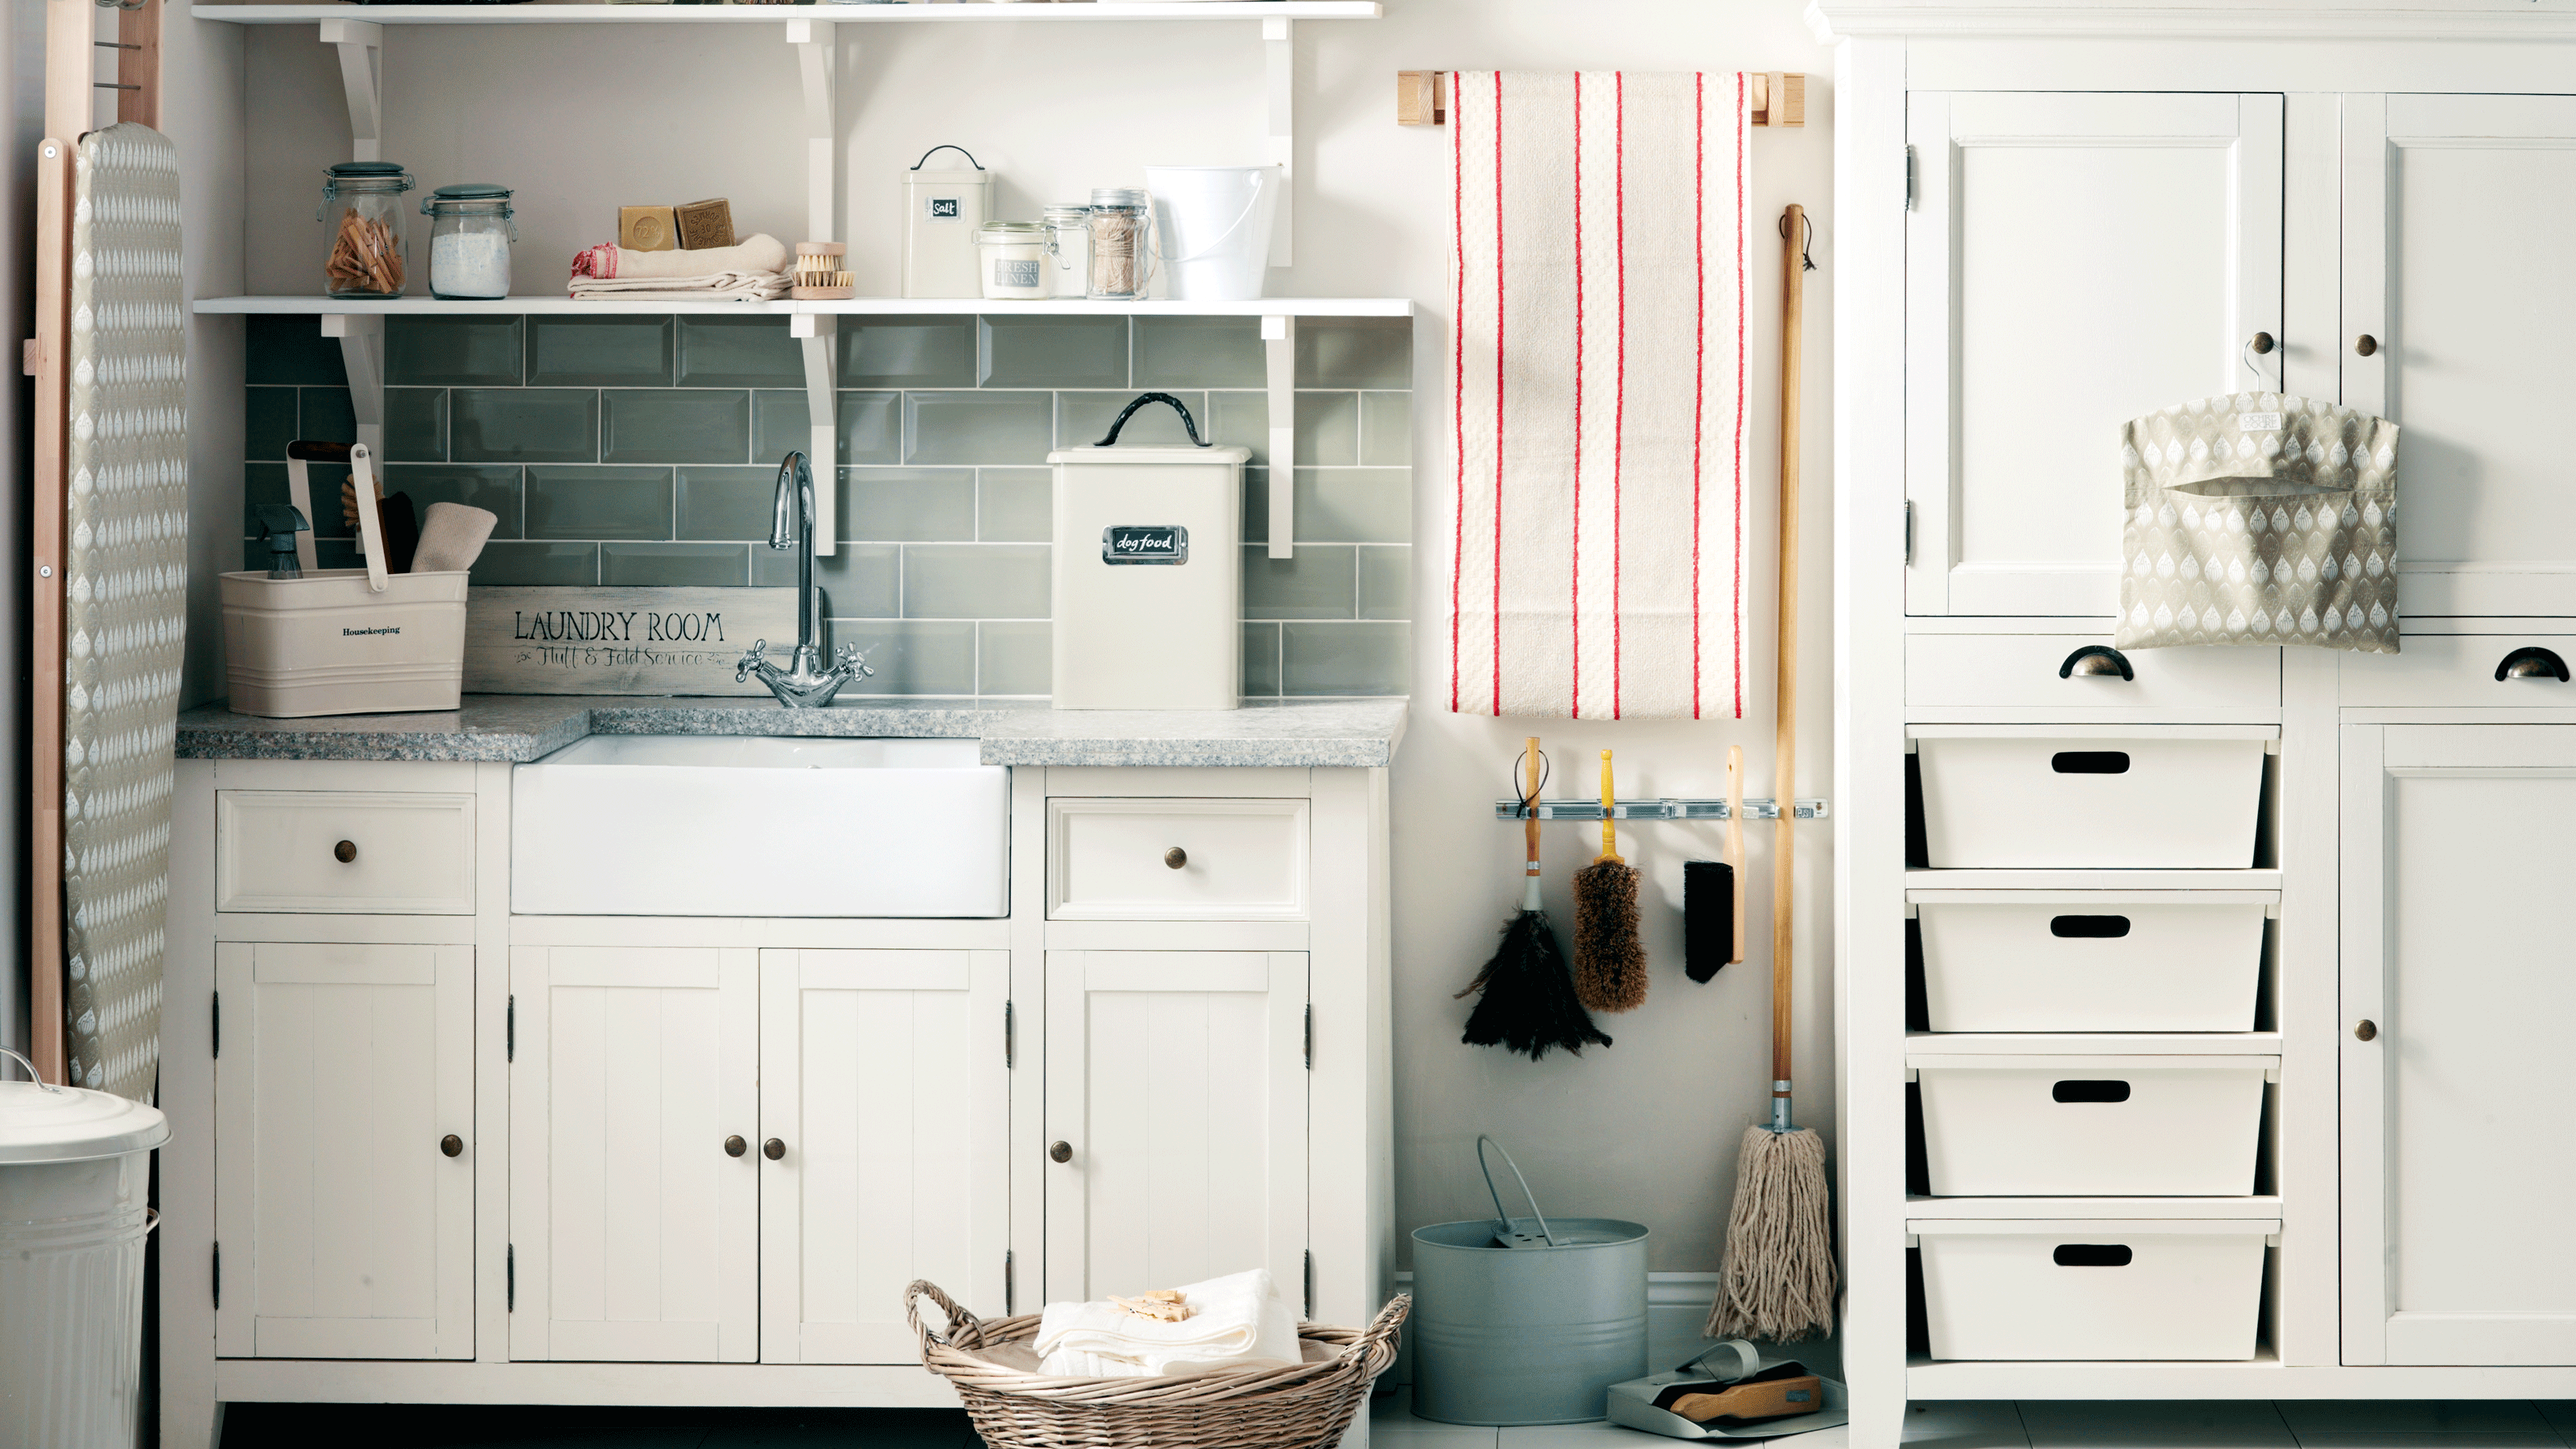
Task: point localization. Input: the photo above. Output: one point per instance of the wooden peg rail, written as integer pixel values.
(1422, 98)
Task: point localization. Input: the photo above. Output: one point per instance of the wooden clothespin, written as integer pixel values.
(1777, 98)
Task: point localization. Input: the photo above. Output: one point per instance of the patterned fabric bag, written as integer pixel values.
(2260, 518)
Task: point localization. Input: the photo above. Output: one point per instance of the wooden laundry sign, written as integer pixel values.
(620, 640)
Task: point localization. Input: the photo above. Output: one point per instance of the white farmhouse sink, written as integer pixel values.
(659, 825)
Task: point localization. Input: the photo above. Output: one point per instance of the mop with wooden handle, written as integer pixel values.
(1778, 1282)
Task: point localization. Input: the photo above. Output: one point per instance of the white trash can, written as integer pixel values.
(75, 1171)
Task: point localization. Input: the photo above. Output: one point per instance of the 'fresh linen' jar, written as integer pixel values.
(469, 240)
(1011, 257)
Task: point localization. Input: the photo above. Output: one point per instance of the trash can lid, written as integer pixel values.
(73, 1124)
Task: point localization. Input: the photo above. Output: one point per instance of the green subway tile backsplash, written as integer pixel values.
(606, 351)
(643, 450)
(739, 352)
(473, 351)
(1014, 657)
(523, 425)
(674, 425)
(901, 352)
(599, 502)
(1053, 351)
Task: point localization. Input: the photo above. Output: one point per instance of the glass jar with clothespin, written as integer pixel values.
(362, 200)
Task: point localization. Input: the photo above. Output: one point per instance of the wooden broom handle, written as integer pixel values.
(1785, 747)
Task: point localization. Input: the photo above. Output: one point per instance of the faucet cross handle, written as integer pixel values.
(848, 660)
(758, 656)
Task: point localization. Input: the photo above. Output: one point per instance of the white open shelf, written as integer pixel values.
(1955, 1209)
(665, 14)
(2092, 1044)
(854, 306)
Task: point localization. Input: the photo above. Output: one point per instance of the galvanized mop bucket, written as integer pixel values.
(1525, 1321)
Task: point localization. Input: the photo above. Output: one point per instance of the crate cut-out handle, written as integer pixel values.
(2090, 762)
(2088, 928)
(2089, 1090)
(2093, 1255)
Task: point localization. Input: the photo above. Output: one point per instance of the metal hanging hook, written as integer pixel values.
(1529, 801)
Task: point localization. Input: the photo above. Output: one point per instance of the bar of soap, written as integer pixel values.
(705, 224)
(648, 228)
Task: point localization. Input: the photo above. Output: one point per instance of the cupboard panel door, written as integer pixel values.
(883, 1076)
(636, 1238)
(1177, 1079)
(350, 1232)
(2456, 214)
(2455, 1184)
(2072, 261)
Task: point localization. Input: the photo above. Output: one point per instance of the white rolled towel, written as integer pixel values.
(1241, 1322)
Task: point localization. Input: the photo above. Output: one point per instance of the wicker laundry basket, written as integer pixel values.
(1306, 1407)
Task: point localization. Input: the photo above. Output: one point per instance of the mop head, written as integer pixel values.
(1778, 1284)
(1528, 1004)
(1609, 960)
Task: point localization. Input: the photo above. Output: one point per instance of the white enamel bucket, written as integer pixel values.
(1214, 223)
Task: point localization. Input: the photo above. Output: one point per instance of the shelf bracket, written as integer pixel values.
(362, 74)
(1279, 46)
(817, 64)
(816, 334)
(1279, 358)
(362, 352)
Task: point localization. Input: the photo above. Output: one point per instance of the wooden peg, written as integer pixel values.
(1421, 98)
(1779, 98)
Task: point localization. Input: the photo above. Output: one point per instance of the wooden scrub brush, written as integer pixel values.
(819, 273)
(1609, 960)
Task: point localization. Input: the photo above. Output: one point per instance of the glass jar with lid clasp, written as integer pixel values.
(469, 240)
(362, 203)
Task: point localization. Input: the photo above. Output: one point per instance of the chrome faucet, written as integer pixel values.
(805, 683)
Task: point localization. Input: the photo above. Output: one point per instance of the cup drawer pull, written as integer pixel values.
(2088, 928)
(2092, 1255)
(2089, 1091)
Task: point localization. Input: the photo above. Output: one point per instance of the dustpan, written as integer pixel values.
(1632, 1403)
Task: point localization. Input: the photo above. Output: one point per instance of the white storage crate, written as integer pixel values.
(2091, 960)
(2091, 796)
(2085, 1289)
(2088, 1126)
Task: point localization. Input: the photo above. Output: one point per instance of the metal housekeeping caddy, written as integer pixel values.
(1304, 1407)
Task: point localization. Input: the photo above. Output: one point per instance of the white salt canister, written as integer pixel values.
(943, 208)
(1148, 586)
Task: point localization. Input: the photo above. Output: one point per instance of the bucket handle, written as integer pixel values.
(1188, 424)
(1483, 1142)
(371, 522)
(1260, 179)
(33, 1075)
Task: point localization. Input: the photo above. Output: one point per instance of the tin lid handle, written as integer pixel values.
(960, 150)
(1188, 424)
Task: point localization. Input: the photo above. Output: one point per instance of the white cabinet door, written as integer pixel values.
(346, 1229)
(634, 1232)
(1176, 1081)
(2457, 211)
(884, 1079)
(2072, 261)
(2457, 1178)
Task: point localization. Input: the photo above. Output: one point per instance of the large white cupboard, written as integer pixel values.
(433, 1151)
(2051, 219)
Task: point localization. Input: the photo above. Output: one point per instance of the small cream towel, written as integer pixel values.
(1241, 1323)
(606, 261)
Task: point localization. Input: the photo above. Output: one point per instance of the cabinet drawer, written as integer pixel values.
(2458, 669)
(2019, 671)
(2107, 1126)
(344, 852)
(1168, 860)
(2012, 961)
(2091, 797)
(2093, 1289)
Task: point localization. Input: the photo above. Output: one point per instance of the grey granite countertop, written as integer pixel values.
(518, 728)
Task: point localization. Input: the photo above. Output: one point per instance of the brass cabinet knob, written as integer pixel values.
(735, 1146)
(1176, 857)
(2262, 343)
(452, 1145)
(773, 1149)
(345, 852)
(2365, 1030)
(1061, 1152)
(2365, 345)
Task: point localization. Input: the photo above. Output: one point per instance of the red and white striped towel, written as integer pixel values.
(1599, 383)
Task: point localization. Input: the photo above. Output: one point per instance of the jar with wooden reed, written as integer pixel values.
(362, 206)
(1122, 244)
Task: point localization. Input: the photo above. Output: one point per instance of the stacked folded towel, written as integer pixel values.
(755, 270)
(1235, 1322)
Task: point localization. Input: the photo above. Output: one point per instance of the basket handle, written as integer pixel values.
(371, 522)
(1378, 1342)
(961, 1324)
(1483, 1142)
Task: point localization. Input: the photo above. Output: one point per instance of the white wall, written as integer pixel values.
(580, 120)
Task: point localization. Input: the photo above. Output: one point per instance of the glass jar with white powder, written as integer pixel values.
(469, 240)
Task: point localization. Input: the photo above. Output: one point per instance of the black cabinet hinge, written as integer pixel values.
(1010, 1286)
(219, 1275)
(510, 1278)
(510, 1029)
(1310, 1285)
(1909, 178)
(1010, 1044)
(216, 1025)
(1310, 1036)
